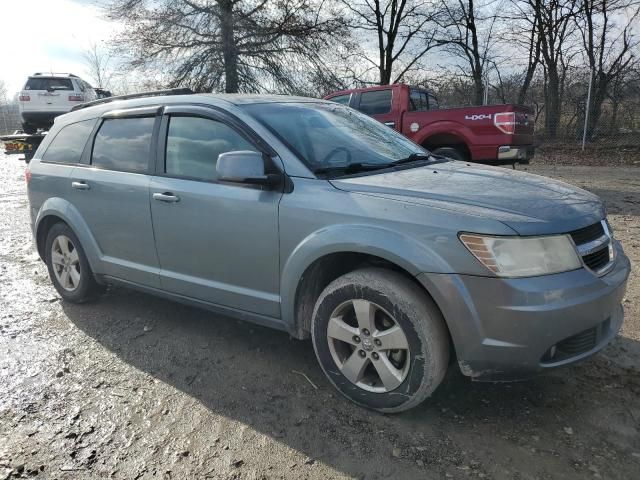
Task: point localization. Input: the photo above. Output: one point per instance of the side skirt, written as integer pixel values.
(235, 313)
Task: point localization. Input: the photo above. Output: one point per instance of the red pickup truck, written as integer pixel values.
(496, 134)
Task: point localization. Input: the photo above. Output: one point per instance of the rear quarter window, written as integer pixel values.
(123, 144)
(68, 145)
(375, 102)
(40, 83)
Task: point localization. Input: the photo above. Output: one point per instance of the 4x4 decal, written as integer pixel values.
(482, 116)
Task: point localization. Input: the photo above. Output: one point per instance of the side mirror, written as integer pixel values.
(244, 167)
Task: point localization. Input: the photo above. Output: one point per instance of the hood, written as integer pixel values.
(528, 204)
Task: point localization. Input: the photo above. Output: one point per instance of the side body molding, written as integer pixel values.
(402, 250)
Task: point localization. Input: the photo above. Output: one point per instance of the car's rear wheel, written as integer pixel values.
(68, 267)
(380, 339)
(450, 152)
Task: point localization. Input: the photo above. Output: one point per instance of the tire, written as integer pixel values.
(450, 152)
(77, 288)
(353, 365)
(29, 129)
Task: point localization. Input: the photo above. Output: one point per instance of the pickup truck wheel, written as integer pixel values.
(380, 339)
(68, 266)
(450, 152)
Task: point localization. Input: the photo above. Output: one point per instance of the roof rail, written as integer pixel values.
(38, 74)
(154, 93)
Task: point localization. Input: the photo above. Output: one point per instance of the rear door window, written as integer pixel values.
(194, 144)
(44, 83)
(375, 102)
(123, 144)
(342, 99)
(418, 101)
(68, 144)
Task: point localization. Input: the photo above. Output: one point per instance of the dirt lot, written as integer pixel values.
(137, 387)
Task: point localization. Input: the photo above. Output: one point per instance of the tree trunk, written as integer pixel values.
(522, 93)
(552, 105)
(229, 48)
(385, 75)
(478, 90)
(598, 96)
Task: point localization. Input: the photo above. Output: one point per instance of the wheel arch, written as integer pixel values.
(56, 210)
(446, 134)
(316, 263)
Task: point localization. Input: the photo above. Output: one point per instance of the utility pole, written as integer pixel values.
(586, 110)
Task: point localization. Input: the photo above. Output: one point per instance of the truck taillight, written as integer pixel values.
(505, 122)
(76, 98)
(27, 175)
(24, 98)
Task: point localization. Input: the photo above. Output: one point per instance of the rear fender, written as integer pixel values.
(444, 128)
(63, 209)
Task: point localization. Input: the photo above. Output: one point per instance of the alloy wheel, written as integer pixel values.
(65, 262)
(368, 345)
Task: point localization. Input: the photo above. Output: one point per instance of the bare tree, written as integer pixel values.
(398, 28)
(99, 65)
(554, 21)
(231, 45)
(522, 32)
(463, 37)
(609, 49)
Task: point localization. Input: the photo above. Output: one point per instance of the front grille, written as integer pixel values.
(597, 259)
(587, 234)
(593, 246)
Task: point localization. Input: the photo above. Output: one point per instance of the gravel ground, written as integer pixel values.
(137, 387)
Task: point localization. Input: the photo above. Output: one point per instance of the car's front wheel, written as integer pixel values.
(68, 267)
(380, 339)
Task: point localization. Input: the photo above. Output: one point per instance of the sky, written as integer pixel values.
(48, 35)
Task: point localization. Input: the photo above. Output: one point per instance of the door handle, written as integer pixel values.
(167, 197)
(81, 185)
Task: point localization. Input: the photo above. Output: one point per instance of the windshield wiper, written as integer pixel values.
(352, 168)
(411, 158)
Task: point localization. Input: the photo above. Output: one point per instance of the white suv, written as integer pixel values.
(45, 96)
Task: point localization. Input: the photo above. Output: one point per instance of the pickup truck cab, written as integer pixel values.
(496, 134)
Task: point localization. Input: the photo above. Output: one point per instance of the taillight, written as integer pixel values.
(24, 98)
(76, 98)
(27, 175)
(505, 122)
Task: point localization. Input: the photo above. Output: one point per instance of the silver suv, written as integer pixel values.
(310, 217)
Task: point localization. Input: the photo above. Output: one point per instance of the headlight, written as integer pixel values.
(523, 256)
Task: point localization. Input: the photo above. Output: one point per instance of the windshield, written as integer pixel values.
(331, 137)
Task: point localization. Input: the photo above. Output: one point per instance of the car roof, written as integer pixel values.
(213, 99)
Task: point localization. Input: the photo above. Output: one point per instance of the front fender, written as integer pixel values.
(404, 251)
(59, 207)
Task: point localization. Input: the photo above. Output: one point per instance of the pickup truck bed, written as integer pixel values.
(495, 134)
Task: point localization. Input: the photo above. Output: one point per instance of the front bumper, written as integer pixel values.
(509, 329)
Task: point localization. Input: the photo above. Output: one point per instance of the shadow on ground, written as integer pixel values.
(247, 373)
